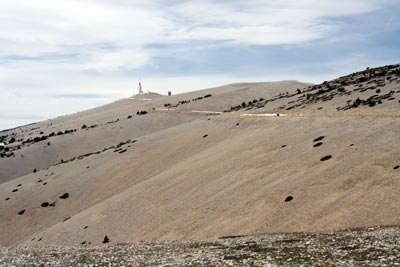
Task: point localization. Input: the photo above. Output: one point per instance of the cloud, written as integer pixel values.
(264, 22)
(113, 35)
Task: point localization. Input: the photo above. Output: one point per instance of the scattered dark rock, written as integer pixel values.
(318, 138)
(7, 199)
(318, 144)
(122, 151)
(19, 185)
(64, 196)
(15, 190)
(204, 136)
(283, 146)
(396, 167)
(106, 240)
(326, 158)
(66, 219)
(21, 212)
(83, 243)
(237, 124)
(129, 117)
(39, 181)
(40, 239)
(34, 170)
(288, 198)
(85, 227)
(52, 204)
(44, 183)
(45, 204)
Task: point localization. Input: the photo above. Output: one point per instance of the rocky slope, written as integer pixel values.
(361, 247)
(159, 169)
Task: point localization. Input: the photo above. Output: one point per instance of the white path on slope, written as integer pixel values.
(207, 112)
(266, 115)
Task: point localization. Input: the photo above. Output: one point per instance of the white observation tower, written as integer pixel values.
(140, 88)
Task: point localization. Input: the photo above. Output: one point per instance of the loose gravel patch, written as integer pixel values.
(377, 246)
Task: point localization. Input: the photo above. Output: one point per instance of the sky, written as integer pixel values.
(60, 57)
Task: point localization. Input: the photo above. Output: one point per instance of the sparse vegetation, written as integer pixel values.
(64, 196)
(328, 157)
(318, 138)
(106, 240)
(288, 198)
(318, 144)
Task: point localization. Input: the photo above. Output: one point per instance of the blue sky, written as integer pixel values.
(58, 57)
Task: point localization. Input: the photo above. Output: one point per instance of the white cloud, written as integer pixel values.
(29, 28)
(264, 22)
(113, 35)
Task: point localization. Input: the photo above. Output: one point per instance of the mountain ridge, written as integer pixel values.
(172, 173)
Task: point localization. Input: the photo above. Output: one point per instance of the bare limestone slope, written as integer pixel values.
(39, 146)
(331, 163)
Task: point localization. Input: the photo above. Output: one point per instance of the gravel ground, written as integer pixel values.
(379, 246)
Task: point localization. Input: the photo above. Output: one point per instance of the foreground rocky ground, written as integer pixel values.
(378, 246)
